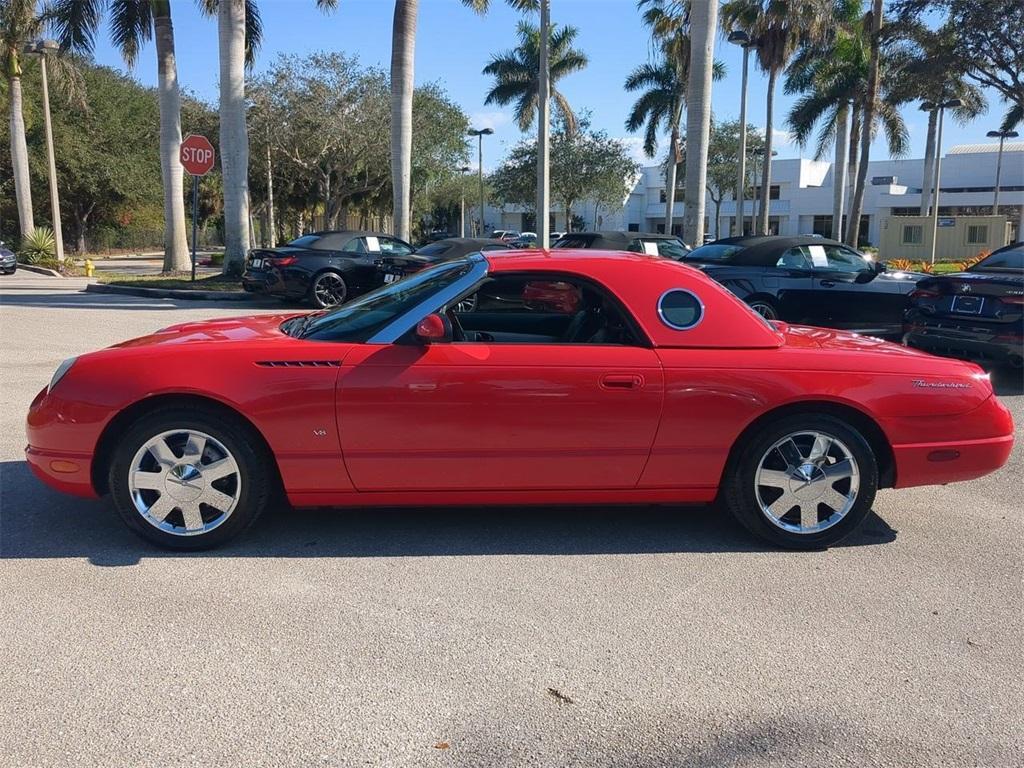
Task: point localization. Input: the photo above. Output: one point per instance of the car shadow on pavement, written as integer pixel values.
(36, 522)
(1007, 381)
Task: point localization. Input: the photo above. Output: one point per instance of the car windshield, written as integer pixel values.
(361, 318)
(714, 252)
(573, 241)
(1012, 258)
(306, 241)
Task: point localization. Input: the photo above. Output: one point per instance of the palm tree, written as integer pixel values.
(832, 76)
(516, 73)
(931, 71)
(19, 24)
(780, 27)
(659, 108)
(403, 53)
(132, 23)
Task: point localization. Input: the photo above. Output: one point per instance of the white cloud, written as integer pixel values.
(493, 119)
(781, 137)
(635, 147)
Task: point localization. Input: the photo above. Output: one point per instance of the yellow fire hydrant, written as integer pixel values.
(89, 268)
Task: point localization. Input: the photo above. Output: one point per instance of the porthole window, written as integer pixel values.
(680, 309)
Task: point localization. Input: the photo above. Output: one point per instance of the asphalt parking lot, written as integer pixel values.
(600, 637)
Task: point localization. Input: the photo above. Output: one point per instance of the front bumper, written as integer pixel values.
(62, 470)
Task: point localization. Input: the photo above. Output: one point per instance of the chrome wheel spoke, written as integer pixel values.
(782, 505)
(192, 516)
(808, 514)
(774, 478)
(834, 499)
(819, 450)
(161, 508)
(162, 452)
(218, 470)
(838, 471)
(217, 500)
(194, 448)
(790, 452)
(148, 481)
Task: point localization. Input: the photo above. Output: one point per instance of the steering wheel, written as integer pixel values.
(458, 334)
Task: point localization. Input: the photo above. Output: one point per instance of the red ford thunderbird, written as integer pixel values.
(577, 378)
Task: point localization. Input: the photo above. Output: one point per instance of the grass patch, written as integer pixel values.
(179, 281)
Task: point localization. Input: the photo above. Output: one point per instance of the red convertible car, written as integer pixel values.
(613, 378)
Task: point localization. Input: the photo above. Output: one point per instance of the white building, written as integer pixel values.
(801, 192)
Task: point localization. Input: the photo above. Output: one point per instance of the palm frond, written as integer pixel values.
(131, 25)
(74, 23)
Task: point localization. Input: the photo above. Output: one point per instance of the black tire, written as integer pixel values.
(764, 307)
(468, 304)
(740, 494)
(328, 289)
(256, 474)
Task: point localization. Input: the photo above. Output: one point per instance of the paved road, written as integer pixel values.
(373, 638)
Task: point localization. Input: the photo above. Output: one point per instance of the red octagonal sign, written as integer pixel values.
(197, 155)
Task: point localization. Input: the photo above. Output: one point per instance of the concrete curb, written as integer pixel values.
(39, 270)
(169, 293)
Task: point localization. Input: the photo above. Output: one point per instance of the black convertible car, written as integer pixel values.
(397, 265)
(323, 268)
(809, 280)
(669, 246)
(977, 314)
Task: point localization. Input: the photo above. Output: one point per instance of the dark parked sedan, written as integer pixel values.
(669, 246)
(396, 266)
(323, 268)
(977, 314)
(809, 280)
(8, 261)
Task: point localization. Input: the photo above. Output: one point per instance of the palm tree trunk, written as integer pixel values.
(703, 30)
(839, 171)
(929, 163)
(670, 179)
(766, 166)
(851, 174)
(234, 140)
(19, 159)
(403, 50)
(870, 106)
(176, 256)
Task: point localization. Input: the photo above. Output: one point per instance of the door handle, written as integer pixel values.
(828, 284)
(622, 381)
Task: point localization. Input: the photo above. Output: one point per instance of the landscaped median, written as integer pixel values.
(171, 286)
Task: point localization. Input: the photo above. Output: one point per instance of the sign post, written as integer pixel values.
(196, 156)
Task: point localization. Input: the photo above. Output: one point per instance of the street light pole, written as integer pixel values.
(929, 106)
(42, 48)
(743, 39)
(1002, 136)
(462, 201)
(480, 154)
(543, 146)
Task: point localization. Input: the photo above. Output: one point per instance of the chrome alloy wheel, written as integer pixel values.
(329, 290)
(184, 482)
(765, 310)
(807, 482)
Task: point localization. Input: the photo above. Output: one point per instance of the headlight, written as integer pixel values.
(62, 369)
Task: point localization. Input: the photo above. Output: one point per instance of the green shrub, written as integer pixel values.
(38, 246)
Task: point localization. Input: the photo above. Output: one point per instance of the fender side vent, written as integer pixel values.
(299, 363)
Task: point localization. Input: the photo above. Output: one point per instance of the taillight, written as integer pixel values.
(921, 293)
(283, 261)
(1012, 299)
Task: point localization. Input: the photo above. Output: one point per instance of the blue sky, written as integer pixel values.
(454, 44)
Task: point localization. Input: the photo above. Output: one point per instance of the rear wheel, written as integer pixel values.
(764, 308)
(804, 481)
(189, 479)
(328, 290)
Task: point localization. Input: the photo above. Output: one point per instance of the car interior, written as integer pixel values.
(526, 309)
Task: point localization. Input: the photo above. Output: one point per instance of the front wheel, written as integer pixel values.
(189, 479)
(328, 290)
(803, 481)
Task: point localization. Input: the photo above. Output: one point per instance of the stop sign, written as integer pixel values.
(197, 155)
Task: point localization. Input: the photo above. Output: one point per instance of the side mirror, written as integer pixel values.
(434, 328)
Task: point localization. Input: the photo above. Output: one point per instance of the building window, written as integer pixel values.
(977, 234)
(634, 227)
(773, 192)
(822, 226)
(913, 234)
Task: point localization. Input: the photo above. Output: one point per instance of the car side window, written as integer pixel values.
(356, 245)
(845, 260)
(795, 258)
(391, 247)
(671, 249)
(542, 309)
